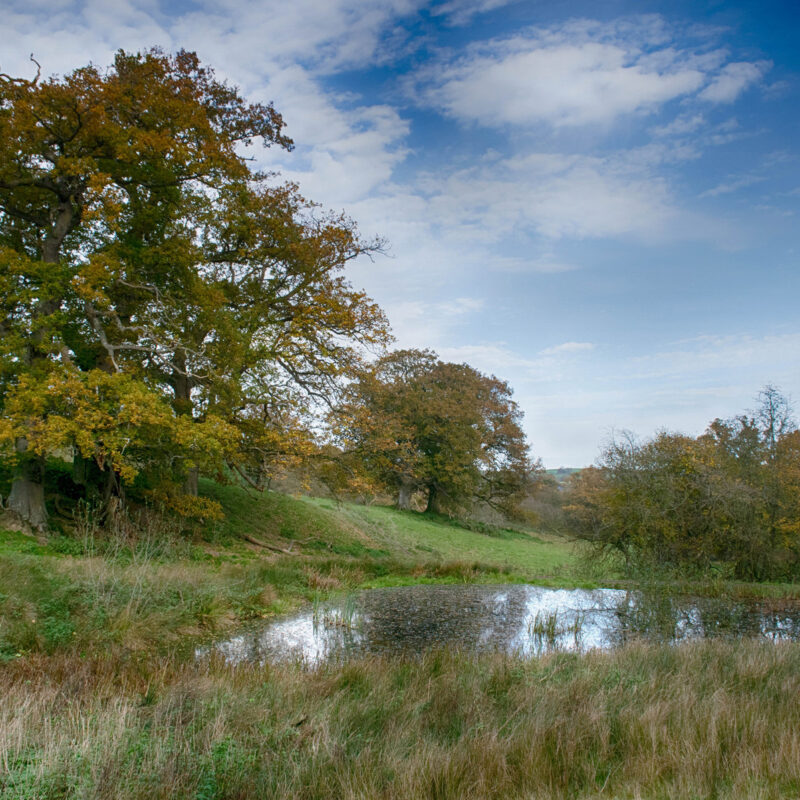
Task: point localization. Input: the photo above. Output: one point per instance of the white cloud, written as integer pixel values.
(495, 359)
(555, 196)
(584, 73)
(680, 126)
(732, 185)
(578, 74)
(460, 12)
(772, 357)
(567, 347)
(326, 36)
(499, 358)
(563, 85)
(733, 79)
(421, 324)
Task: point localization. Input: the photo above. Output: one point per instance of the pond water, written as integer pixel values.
(524, 619)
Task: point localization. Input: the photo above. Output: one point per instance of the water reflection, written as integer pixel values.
(530, 620)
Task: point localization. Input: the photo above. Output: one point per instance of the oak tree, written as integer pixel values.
(137, 243)
(420, 424)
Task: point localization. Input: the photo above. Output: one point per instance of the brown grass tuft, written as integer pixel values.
(710, 719)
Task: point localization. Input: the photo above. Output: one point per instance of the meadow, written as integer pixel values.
(104, 699)
(710, 719)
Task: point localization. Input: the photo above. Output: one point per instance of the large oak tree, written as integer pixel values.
(149, 274)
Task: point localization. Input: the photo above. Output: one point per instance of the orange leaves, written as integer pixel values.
(418, 421)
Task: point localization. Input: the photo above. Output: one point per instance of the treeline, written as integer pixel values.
(726, 502)
(168, 312)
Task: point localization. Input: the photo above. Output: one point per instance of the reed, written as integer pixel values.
(708, 719)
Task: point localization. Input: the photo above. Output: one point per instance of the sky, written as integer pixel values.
(596, 202)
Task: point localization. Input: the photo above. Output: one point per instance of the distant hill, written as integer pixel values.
(562, 473)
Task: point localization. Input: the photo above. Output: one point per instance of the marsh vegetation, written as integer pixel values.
(708, 719)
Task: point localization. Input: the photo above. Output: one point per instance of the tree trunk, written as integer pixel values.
(182, 403)
(27, 490)
(113, 501)
(191, 485)
(404, 493)
(435, 505)
(86, 473)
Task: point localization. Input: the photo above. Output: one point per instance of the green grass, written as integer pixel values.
(418, 537)
(378, 531)
(157, 588)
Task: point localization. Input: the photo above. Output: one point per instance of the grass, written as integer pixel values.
(157, 587)
(102, 699)
(415, 537)
(710, 719)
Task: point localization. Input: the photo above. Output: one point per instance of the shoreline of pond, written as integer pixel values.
(517, 618)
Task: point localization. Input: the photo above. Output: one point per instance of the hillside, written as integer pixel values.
(82, 589)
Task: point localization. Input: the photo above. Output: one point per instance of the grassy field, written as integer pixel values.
(706, 720)
(158, 589)
(103, 699)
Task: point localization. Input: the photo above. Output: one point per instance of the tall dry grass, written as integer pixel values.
(709, 719)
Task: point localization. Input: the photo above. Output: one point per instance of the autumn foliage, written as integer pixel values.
(164, 309)
(726, 502)
(415, 424)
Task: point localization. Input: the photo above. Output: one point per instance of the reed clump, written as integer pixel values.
(707, 719)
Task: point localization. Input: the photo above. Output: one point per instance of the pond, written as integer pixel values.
(523, 619)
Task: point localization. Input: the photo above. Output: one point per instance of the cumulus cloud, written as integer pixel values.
(733, 79)
(578, 74)
(582, 73)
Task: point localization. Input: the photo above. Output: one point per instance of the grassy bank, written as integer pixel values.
(155, 588)
(709, 719)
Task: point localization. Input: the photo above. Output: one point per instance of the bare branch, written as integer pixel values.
(38, 71)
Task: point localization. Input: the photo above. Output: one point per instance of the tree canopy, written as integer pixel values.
(727, 500)
(164, 307)
(415, 423)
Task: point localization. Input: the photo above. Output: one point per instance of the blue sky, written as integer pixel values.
(597, 202)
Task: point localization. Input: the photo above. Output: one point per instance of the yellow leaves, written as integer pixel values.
(208, 442)
(104, 201)
(114, 419)
(92, 279)
(9, 432)
(200, 508)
